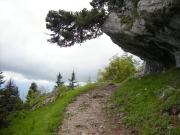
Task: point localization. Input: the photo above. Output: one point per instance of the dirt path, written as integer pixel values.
(88, 115)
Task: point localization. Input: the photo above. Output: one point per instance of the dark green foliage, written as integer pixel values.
(69, 28)
(112, 5)
(46, 119)
(59, 81)
(1, 79)
(99, 4)
(72, 81)
(11, 96)
(119, 69)
(33, 94)
(9, 100)
(34, 87)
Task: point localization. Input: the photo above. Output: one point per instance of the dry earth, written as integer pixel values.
(88, 115)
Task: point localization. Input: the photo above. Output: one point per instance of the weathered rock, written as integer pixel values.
(149, 29)
(177, 57)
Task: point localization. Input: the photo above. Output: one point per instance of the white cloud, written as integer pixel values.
(25, 51)
(24, 83)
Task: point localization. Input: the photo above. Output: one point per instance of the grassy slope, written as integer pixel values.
(44, 120)
(146, 103)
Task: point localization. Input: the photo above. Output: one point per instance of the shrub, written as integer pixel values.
(118, 69)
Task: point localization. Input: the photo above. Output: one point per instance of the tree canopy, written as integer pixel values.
(118, 69)
(110, 5)
(33, 93)
(1, 79)
(59, 81)
(72, 81)
(34, 87)
(69, 28)
(9, 101)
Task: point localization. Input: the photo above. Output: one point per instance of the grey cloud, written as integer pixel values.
(24, 49)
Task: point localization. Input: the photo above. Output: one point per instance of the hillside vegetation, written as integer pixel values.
(118, 69)
(148, 105)
(44, 120)
(151, 104)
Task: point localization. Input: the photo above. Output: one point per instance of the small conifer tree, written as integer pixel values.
(9, 100)
(59, 81)
(72, 81)
(1, 79)
(33, 93)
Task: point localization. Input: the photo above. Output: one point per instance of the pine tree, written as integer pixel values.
(1, 79)
(34, 87)
(69, 28)
(72, 81)
(59, 81)
(11, 95)
(9, 100)
(33, 93)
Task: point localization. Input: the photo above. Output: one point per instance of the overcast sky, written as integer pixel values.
(25, 54)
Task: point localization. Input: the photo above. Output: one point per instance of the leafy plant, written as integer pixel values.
(118, 69)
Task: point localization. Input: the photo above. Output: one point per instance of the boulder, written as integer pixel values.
(149, 29)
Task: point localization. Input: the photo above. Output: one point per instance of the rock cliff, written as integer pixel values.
(149, 29)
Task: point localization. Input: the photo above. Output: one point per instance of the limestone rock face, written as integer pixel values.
(149, 29)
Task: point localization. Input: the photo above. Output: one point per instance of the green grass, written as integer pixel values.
(45, 120)
(149, 103)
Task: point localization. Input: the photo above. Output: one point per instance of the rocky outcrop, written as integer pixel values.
(149, 29)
